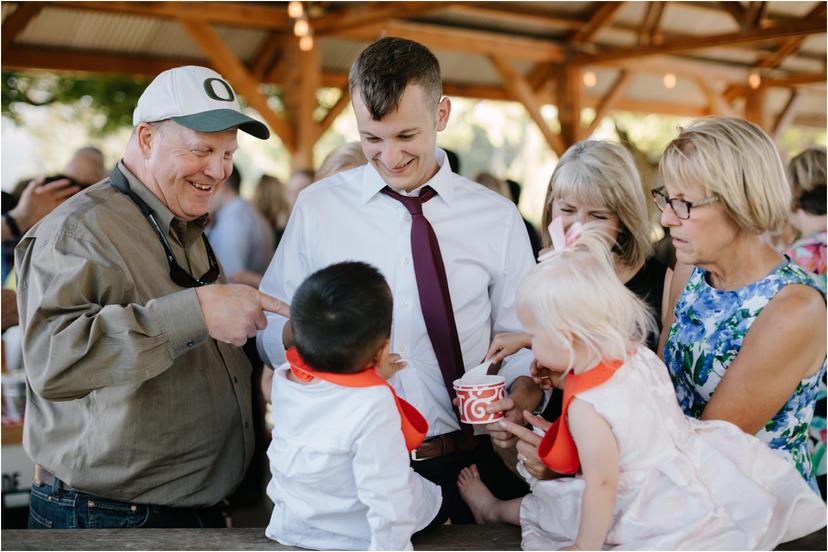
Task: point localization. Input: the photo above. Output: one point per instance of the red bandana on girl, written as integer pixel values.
(414, 426)
(557, 448)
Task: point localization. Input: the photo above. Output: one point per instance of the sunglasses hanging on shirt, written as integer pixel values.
(178, 275)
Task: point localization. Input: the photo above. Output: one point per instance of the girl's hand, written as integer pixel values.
(392, 364)
(527, 445)
(505, 344)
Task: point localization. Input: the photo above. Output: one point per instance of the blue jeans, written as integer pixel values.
(53, 507)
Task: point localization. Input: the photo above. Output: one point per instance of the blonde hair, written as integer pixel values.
(576, 291)
(604, 173)
(806, 171)
(347, 156)
(269, 198)
(736, 161)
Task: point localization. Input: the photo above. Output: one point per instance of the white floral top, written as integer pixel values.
(710, 326)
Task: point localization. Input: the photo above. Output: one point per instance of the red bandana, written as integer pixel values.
(414, 426)
(557, 448)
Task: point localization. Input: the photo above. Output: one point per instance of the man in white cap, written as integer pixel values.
(138, 408)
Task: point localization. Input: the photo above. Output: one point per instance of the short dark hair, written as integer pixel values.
(234, 180)
(341, 316)
(813, 201)
(385, 68)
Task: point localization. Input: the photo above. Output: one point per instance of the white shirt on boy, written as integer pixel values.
(341, 473)
(485, 249)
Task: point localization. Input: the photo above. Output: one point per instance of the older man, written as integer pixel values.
(138, 410)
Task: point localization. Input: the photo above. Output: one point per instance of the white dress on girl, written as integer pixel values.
(683, 483)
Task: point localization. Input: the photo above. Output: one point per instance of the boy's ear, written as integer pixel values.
(382, 351)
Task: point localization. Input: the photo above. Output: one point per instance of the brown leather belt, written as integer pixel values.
(440, 445)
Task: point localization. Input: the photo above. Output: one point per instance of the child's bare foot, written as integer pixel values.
(481, 501)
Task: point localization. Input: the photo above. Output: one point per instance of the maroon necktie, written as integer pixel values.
(432, 286)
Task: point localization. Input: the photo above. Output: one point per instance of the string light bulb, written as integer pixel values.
(301, 27)
(590, 79)
(295, 10)
(669, 80)
(306, 43)
(754, 80)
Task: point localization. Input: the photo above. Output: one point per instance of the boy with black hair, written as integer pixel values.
(341, 474)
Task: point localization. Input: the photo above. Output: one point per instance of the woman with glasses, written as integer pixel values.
(744, 333)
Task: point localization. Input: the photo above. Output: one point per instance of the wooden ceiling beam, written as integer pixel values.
(524, 15)
(259, 15)
(786, 116)
(609, 100)
(795, 80)
(649, 32)
(601, 16)
(520, 90)
(17, 22)
(267, 55)
(462, 40)
(226, 63)
(736, 11)
(688, 44)
(86, 61)
(718, 104)
(361, 14)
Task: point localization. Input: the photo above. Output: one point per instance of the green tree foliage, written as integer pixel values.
(110, 99)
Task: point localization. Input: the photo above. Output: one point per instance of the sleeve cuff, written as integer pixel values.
(182, 320)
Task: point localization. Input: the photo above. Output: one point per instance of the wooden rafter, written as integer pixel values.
(60, 59)
(756, 14)
(524, 15)
(267, 55)
(795, 80)
(783, 120)
(718, 105)
(463, 40)
(522, 92)
(609, 100)
(600, 17)
(361, 14)
(736, 10)
(257, 15)
(16, 23)
(688, 44)
(225, 62)
(649, 32)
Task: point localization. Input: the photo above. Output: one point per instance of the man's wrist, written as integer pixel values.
(11, 223)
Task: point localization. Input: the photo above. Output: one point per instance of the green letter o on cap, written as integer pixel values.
(208, 87)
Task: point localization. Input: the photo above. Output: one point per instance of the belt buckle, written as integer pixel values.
(414, 457)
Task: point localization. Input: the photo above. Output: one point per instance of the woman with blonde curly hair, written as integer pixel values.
(744, 337)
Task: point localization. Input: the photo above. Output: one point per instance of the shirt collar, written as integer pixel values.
(165, 217)
(372, 182)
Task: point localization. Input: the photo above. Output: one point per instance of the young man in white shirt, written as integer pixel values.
(397, 97)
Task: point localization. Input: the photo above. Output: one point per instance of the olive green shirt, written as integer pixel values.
(129, 399)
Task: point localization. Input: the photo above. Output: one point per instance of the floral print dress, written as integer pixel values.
(710, 326)
(810, 253)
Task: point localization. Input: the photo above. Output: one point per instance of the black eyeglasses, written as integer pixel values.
(679, 206)
(177, 274)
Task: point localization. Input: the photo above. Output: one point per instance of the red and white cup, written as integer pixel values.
(476, 394)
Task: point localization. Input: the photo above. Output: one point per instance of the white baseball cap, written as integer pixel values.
(197, 98)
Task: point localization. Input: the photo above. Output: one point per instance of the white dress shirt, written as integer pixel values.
(341, 473)
(485, 250)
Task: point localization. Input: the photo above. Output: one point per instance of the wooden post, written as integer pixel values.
(755, 106)
(569, 103)
(309, 75)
